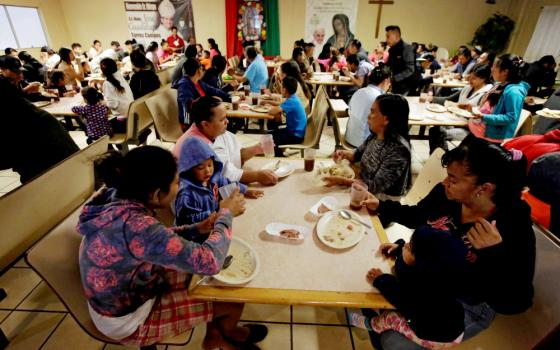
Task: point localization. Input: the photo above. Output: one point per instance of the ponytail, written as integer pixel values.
(109, 68)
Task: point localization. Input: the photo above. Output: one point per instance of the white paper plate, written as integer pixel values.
(329, 202)
(331, 224)
(549, 113)
(434, 107)
(237, 272)
(260, 109)
(460, 112)
(274, 229)
(284, 169)
(40, 104)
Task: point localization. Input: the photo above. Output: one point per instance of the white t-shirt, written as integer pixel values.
(116, 101)
(52, 61)
(357, 129)
(228, 150)
(121, 327)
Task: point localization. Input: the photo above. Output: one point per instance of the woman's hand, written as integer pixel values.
(373, 274)
(388, 249)
(484, 234)
(235, 203)
(254, 194)
(206, 226)
(340, 155)
(371, 202)
(331, 181)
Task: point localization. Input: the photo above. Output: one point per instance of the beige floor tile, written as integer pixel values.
(42, 298)
(21, 263)
(278, 337)
(196, 340)
(319, 315)
(361, 339)
(266, 313)
(17, 283)
(3, 315)
(12, 186)
(321, 338)
(6, 181)
(70, 331)
(28, 330)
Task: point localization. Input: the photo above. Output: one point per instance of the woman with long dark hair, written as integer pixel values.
(385, 156)
(118, 95)
(66, 65)
(291, 69)
(151, 54)
(342, 35)
(480, 203)
(500, 111)
(214, 50)
(144, 80)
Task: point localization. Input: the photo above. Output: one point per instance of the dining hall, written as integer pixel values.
(280, 174)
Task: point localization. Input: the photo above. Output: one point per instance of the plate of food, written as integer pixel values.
(244, 106)
(227, 106)
(549, 113)
(460, 112)
(244, 265)
(260, 109)
(434, 107)
(267, 97)
(345, 79)
(339, 233)
(340, 169)
(286, 231)
(280, 168)
(324, 205)
(41, 104)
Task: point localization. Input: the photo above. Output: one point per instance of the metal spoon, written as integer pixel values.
(227, 262)
(347, 216)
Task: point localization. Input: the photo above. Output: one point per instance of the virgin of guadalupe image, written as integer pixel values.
(342, 35)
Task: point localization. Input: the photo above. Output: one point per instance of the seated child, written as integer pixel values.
(205, 60)
(296, 120)
(95, 113)
(200, 177)
(57, 81)
(424, 289)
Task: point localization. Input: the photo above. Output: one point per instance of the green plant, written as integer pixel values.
(494, 34)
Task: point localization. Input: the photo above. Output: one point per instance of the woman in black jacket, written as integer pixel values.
(479, 202)
(34, 70)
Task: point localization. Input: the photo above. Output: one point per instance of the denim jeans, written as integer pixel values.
(477, 318)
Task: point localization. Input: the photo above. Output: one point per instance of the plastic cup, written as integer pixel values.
(336, 75)
(423, 97)
(255, 99)
(246, 89)
(309, 159)
(227, 190)
(358, 193)
(267, 144)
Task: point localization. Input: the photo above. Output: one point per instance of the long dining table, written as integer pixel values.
(62, 109)
(326, 79)
(309, 273)
(420, 116)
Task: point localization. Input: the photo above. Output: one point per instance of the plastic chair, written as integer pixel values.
(432, 173)
(164, 112)
(315, 123)
(523, 126)
(339, 128)
(55, 259)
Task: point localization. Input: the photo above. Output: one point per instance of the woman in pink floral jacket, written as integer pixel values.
(135, 270)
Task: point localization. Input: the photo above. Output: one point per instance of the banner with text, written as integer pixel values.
(330, 21)
(152, 20)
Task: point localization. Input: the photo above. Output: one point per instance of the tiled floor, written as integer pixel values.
(32, 317)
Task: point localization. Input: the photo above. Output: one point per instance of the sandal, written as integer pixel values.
(257, 332)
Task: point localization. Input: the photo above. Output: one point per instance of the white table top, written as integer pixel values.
(419, 115)
(327, 79)
(307, 267)
(64, 106)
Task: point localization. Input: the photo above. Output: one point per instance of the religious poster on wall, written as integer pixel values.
(330, 21)
(152, 20)
(250, 21)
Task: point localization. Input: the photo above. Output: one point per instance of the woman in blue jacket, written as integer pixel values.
(506, 98)
(190, 87)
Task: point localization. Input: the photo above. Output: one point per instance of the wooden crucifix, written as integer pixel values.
(380, 7)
